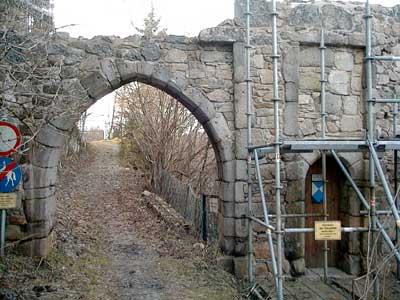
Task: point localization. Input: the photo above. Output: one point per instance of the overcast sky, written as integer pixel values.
(119, 17)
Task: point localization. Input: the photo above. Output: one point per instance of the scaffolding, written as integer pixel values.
(370, 144)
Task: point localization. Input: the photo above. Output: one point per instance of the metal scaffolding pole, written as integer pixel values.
(277, 144)
(396, 171)
(323, 135)
(249, 120)
(265, 210)
(371, 133)
(386, 188)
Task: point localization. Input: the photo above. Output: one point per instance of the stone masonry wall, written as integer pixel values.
(299, 27)
(207, 75)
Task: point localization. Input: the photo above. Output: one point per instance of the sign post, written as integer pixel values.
(10, 174)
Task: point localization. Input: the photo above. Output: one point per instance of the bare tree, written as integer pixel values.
(31, 88)
(158, 133)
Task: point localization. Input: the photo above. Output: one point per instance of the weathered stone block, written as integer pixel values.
(291, 92)
(296, 170)
(36, 177)
(257, 61)
(308, 127)
(128, 70)
(333, 104)
(298, 266)
(239, 64)
(151, 51)
(176, 56)
(241, 170)
(344, 61)
(45, 157)
(310, 57)
(310, 81)
(212, 57)
(219, 96)
(96, 85)
(50, 136)
(110, 71)
(40, 210)
(291, 125)
(339, 82)
(350, 105)
(290, 64)
(351, 123)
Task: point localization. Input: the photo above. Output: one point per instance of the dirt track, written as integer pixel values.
(111, 246)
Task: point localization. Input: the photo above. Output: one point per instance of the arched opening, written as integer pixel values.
(45, 154)
(314, 206)
(343, 206)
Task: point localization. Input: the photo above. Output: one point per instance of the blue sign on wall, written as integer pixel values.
(10, 175)
(317, 189)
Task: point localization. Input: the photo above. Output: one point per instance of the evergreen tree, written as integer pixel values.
(151, 26)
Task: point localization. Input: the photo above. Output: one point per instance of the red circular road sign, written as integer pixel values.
(10, 138)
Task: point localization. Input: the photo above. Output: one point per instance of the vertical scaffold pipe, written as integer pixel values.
(277, 144)
(396, 173)
(371, 134)
(266, 218)
(249, 119)
(323, 135)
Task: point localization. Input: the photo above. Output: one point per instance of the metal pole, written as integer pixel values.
(386, 187)
(323, 129)
(249, 120)
(204, 223)
(265, 210)
(277, 143)
(3, 232)
(343, 229)
(396, 171)
(371, 133)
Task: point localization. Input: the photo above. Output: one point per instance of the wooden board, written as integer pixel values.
(314, 249)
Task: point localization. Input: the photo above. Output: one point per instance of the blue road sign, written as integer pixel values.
(10, 175)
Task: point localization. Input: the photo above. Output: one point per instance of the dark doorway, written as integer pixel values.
(314, 249)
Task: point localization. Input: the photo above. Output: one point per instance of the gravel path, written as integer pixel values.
(111, 246)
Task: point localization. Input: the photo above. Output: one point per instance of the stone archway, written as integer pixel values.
(98, 77)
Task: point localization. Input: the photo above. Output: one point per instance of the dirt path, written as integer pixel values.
(110, 245)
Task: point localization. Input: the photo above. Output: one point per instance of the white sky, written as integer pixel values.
(119, 17)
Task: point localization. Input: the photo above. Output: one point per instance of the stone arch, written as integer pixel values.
(295, 198)
(99, 79)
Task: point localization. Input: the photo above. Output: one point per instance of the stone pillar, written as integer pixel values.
(40, 177)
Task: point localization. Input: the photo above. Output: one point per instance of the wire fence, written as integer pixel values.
(199, 210)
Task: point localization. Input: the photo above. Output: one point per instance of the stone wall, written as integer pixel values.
(299, 27)
(207, 75)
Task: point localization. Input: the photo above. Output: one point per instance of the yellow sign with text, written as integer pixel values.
(328, 230)
(8, 200)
